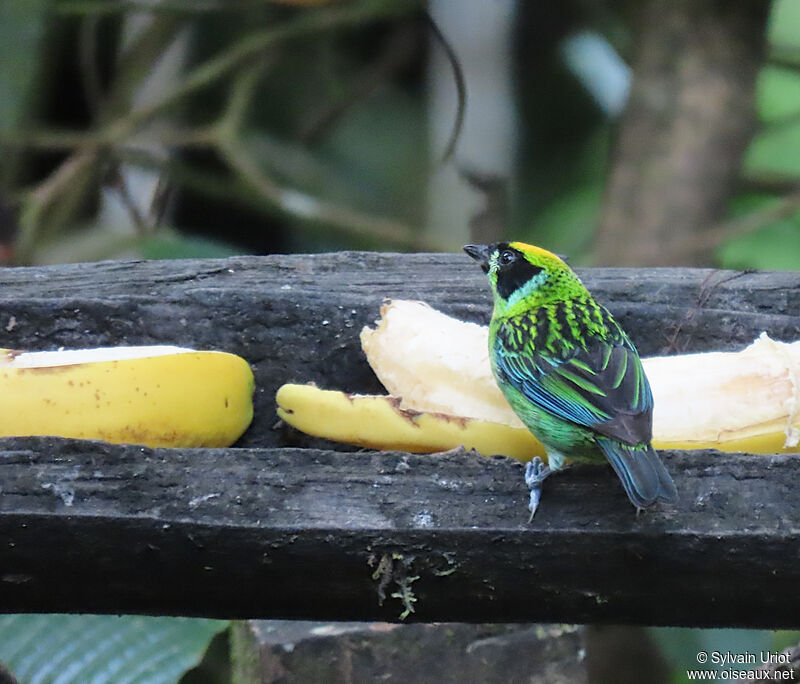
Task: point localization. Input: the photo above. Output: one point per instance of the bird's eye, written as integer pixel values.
(506, 257)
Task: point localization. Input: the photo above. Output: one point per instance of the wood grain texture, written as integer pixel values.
(267, 530)
(302, 533)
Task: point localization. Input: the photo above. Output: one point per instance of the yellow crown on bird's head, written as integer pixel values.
(533, 250)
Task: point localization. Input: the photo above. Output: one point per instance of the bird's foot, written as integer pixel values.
(535, 473)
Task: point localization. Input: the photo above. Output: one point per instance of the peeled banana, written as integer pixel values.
(437, 372)
(159, 396)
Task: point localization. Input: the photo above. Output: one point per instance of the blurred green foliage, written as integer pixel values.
(330, 146)
(773, 155)
(274, 129)
(774, 246)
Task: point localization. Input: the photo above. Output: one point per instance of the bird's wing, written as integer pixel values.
(601, 386)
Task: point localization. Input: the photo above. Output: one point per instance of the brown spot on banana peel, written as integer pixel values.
(409, 415)
(378, 422)
(413, 416)
(48, 370)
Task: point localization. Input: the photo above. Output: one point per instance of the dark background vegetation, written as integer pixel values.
(659, 132)
(619, 132)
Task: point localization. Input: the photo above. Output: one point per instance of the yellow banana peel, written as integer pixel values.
(378, 422)
(156, 396)
(442, 394)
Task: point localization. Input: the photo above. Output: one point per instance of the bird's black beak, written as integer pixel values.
(481, 254)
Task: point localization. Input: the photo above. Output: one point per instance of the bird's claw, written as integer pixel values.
(535, 473)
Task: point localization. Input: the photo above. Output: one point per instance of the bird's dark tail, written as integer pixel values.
(641, 471)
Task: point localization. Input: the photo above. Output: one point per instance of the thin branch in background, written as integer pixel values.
(255, 189)
(248, 47)
(304, 206)
(58, 141)
(768, 182)
(778, 123)
(461, 90)
(727, 230)
(241, 97)
(162, 197)
(294, 202)
(784, 56)
(87, 146)
(128, 201)
(99, 8)
(44, 196)
(148, 46)
(253, 44)
(183, 174)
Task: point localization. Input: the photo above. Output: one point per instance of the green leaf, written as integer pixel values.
(775, 150)
(776, 245)
(778, 93)
(41, 649)
(784, 23)
(21, 30)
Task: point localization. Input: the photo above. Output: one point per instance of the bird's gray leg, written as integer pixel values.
(537, 472)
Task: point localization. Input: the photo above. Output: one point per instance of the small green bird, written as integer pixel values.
(569, 372)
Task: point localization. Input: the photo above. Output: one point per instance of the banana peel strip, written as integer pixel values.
(442, 394)
(378, 422)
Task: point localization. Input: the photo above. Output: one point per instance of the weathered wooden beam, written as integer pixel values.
(265, 531)
(311, 534)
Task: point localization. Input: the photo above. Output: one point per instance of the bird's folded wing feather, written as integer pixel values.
(602, 387)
